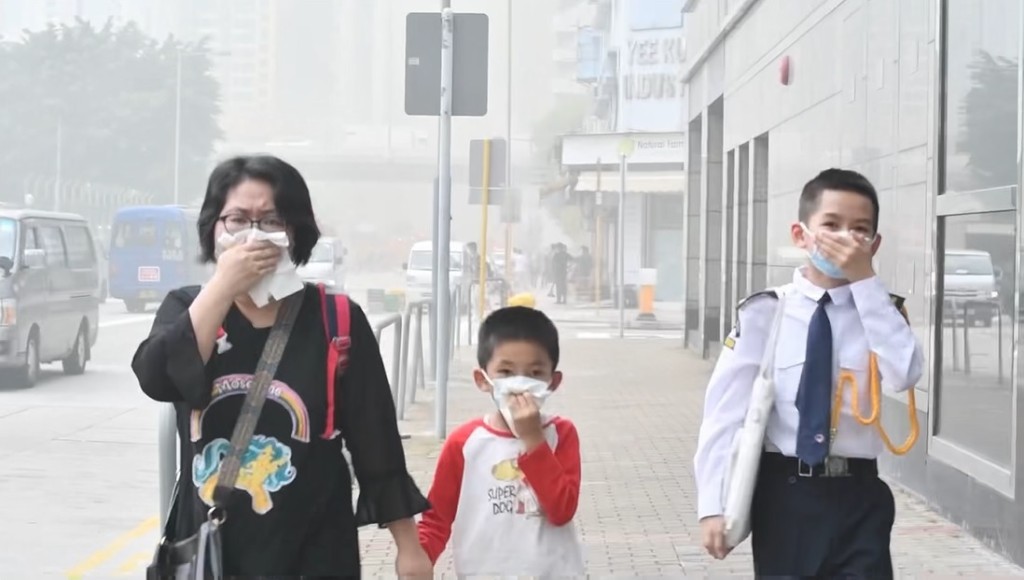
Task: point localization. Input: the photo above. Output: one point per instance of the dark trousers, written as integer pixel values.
(821, 527)
(561, 286)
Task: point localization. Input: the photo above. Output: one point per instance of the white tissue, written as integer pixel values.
(283, 282)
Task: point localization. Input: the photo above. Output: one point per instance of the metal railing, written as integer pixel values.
(962, 347)
(397, 321)
(405, 395)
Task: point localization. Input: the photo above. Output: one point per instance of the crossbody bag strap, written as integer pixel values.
(255, 398)
(772, 343)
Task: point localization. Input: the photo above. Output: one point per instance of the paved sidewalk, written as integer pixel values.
(637, 405)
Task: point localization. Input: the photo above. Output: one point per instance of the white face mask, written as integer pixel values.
(823, 264)
(502, 387)
(283, 282)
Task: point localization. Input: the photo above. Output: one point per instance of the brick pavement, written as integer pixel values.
(637, 405)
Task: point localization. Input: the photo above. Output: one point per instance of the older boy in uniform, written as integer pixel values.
(819, 507)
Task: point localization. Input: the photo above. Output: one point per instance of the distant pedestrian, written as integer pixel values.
(560, 272)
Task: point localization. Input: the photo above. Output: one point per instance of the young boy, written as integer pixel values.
(819, 508)
(507, 484)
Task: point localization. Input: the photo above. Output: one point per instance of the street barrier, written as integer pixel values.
(455, 328)
(405, 395)
(167, 457)
(396, 362)
(961, 341)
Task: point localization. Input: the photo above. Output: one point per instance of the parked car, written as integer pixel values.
(49, 307)
(971, 287)
(326, 264)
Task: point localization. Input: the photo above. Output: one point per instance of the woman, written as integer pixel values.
(291, 514)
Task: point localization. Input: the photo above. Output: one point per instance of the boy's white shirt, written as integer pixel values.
(527, 544)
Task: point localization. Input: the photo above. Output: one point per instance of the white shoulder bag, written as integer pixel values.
(748, 444)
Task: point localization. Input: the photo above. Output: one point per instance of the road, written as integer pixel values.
(78, 496)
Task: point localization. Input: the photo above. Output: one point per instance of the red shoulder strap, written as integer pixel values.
(337, 330)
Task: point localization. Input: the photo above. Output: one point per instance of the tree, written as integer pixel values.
(988, 135)
(108, 96)
(565, 117)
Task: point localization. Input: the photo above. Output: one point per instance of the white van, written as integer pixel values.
(970, 282)
(421, 262)
(326, 265)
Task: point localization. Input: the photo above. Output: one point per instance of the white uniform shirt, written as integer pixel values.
(864, 320)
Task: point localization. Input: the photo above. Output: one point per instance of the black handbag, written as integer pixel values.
(199, 556)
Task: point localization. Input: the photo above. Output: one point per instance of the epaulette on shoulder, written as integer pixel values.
(901, 304)
(769, 293)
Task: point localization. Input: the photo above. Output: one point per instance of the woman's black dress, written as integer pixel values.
(292, 514)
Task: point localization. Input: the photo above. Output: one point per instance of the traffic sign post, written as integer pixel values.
(444, 83)
(626, 148)
(423, 64)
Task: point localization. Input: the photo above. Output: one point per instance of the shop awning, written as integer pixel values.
(636, 181)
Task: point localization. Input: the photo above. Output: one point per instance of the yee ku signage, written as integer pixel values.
(655, 68)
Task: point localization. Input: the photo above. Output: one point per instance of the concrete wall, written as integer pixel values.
(865, 93)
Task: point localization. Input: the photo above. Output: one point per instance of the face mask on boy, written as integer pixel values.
(502, 387)
(823, 264)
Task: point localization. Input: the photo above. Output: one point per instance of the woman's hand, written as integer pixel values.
(412, 562)
(239, 268)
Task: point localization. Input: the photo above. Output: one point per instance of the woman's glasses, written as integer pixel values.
(235, 223)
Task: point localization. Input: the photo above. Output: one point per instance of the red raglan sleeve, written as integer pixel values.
(554, 475)
(435, 527)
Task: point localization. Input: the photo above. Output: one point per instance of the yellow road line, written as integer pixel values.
(134, 563)
(99, 557)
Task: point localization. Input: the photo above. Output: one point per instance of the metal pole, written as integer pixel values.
(60, 163)
(622, 246)
(598, 239)
(485, 200)
(443, 295)
(999, 321)
(444, 128)
(177, 130)
(509, 267)
(167, 457)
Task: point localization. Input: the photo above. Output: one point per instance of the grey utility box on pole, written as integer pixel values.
(423, 64)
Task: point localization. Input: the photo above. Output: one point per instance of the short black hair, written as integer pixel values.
(291, 198)
(516, 323)
(836, 180)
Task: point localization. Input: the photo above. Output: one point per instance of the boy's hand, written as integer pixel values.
(850, 253)
(712, 534)
(526, 416)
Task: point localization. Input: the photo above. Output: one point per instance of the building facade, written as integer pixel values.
(631, 56)
(922, 96)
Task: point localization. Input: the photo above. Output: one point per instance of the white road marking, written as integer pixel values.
(127, 320)
(629, 335)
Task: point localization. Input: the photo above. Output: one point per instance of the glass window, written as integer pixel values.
(975, 387)
(655, 14)
(31, 240)
(8, 237)
(81, 251)
(322, 253)
(135, 234)
(982, 95)
(52, 241)
(423, 260)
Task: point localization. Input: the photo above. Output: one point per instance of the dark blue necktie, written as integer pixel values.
(814, 397)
